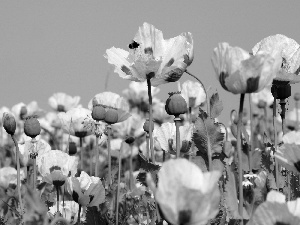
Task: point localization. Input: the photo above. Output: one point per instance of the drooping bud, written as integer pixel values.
(9, 123)
(111, 116)
(72, 148)
(146, 126)
(176, 104)
(98, 112)
(297, 96)
(32, 127)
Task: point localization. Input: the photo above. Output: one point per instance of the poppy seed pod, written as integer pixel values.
(297, 96)
(281, 91)
(32, 127)
(72, 148)
(176, 104)
(111, 116)
(98, 112)
(9, 123)
(146, 126)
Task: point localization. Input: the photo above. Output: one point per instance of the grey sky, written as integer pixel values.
(57, 45)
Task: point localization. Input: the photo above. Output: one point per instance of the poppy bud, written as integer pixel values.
(32, 127)
(72, 148)
(176, 104)
(9, 123)
(146, 126)
(98, 112)
(281, 91)
(23, 112)
(297, 96)
(111, 116)
(261, 104)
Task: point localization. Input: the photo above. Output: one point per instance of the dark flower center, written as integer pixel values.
(184, 216)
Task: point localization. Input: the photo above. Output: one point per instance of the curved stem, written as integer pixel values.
(275, 138)
(150, 119)
(252, 135)
(18, 172)
(81, 153)
(177, 121)
(109, 153)
(207, 100)
(239, 151)
(118, 188)
(57, 197)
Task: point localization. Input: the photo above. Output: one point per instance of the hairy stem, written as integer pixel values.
(150, 120)
(177, 121)
(109, 153)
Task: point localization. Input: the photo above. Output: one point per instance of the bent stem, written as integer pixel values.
(177, 121)
(207, 100)
(150, 119)
(239, 151)
(18, 172)
(118, 188)
(109, 153)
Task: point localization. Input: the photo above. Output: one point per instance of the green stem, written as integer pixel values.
(57, 197)
(34, 173)
(130, 170)
(297, 115)
(150, 120)
(97, 156)
(177, 121)
(275, 138)
(78, 217)
(252, 135)
(118, 188)
(81, 153)
(109, 153)
(239, 151)
(148, 146)
(207, 100)
(18, 172)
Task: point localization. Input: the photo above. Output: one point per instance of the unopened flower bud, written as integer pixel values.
(111, 116)
(297, 96)
(9, 123)
(176, 104)
(32, 127)
(98, 112)
(261, 104)
(146, 126)
(23, 112)
(72, 148)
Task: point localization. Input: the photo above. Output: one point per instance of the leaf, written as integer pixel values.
(230, 194)
(207, 133)
(255, 159)
(93, 217)
(216, 106)
(146, 167)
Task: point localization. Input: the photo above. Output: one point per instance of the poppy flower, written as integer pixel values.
(72, 121)
(56, 166)
(239, 72)
(165, 60)
(264, 95)
(110, 100)
(8, 176)
(193, 93)
(185, 194)
(276, 211)
(165, 135)
(288, 156)
(86, 190)
(289, 51)
(62, 102)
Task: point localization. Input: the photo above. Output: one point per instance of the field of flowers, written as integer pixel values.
(137, 159)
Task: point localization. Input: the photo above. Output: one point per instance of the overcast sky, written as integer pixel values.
(58, 46)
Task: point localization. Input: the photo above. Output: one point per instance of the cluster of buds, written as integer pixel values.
(107, 114)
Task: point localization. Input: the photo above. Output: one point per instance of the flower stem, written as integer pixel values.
(130, 170)
(250, 151)
(297, 115)
(34, 173)
(148, 147)
(150, 119)
(177, 121)
(109, 153)
(57, 197)
(118, 188)
(275, 138)
(18, 173)
(81, 153)
(78, 217)
(207, 100)
(97, 155)
(239, 151)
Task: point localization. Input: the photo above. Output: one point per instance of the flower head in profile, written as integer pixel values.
(73, 121)
(193, 93)
(86, 190)
(56, 166)
(289, 51)
(264, 95)
(166, 137)
(113, 103)
(150, 56)
(239, 72)
(185, 194)
(62, 102)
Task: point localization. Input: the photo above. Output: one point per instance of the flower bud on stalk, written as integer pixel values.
(9, 123)
(32, 127)
(146, 126)
(176, 104)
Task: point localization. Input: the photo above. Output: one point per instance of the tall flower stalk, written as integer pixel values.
(149, 76)
(252, 134)
(109, 153)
